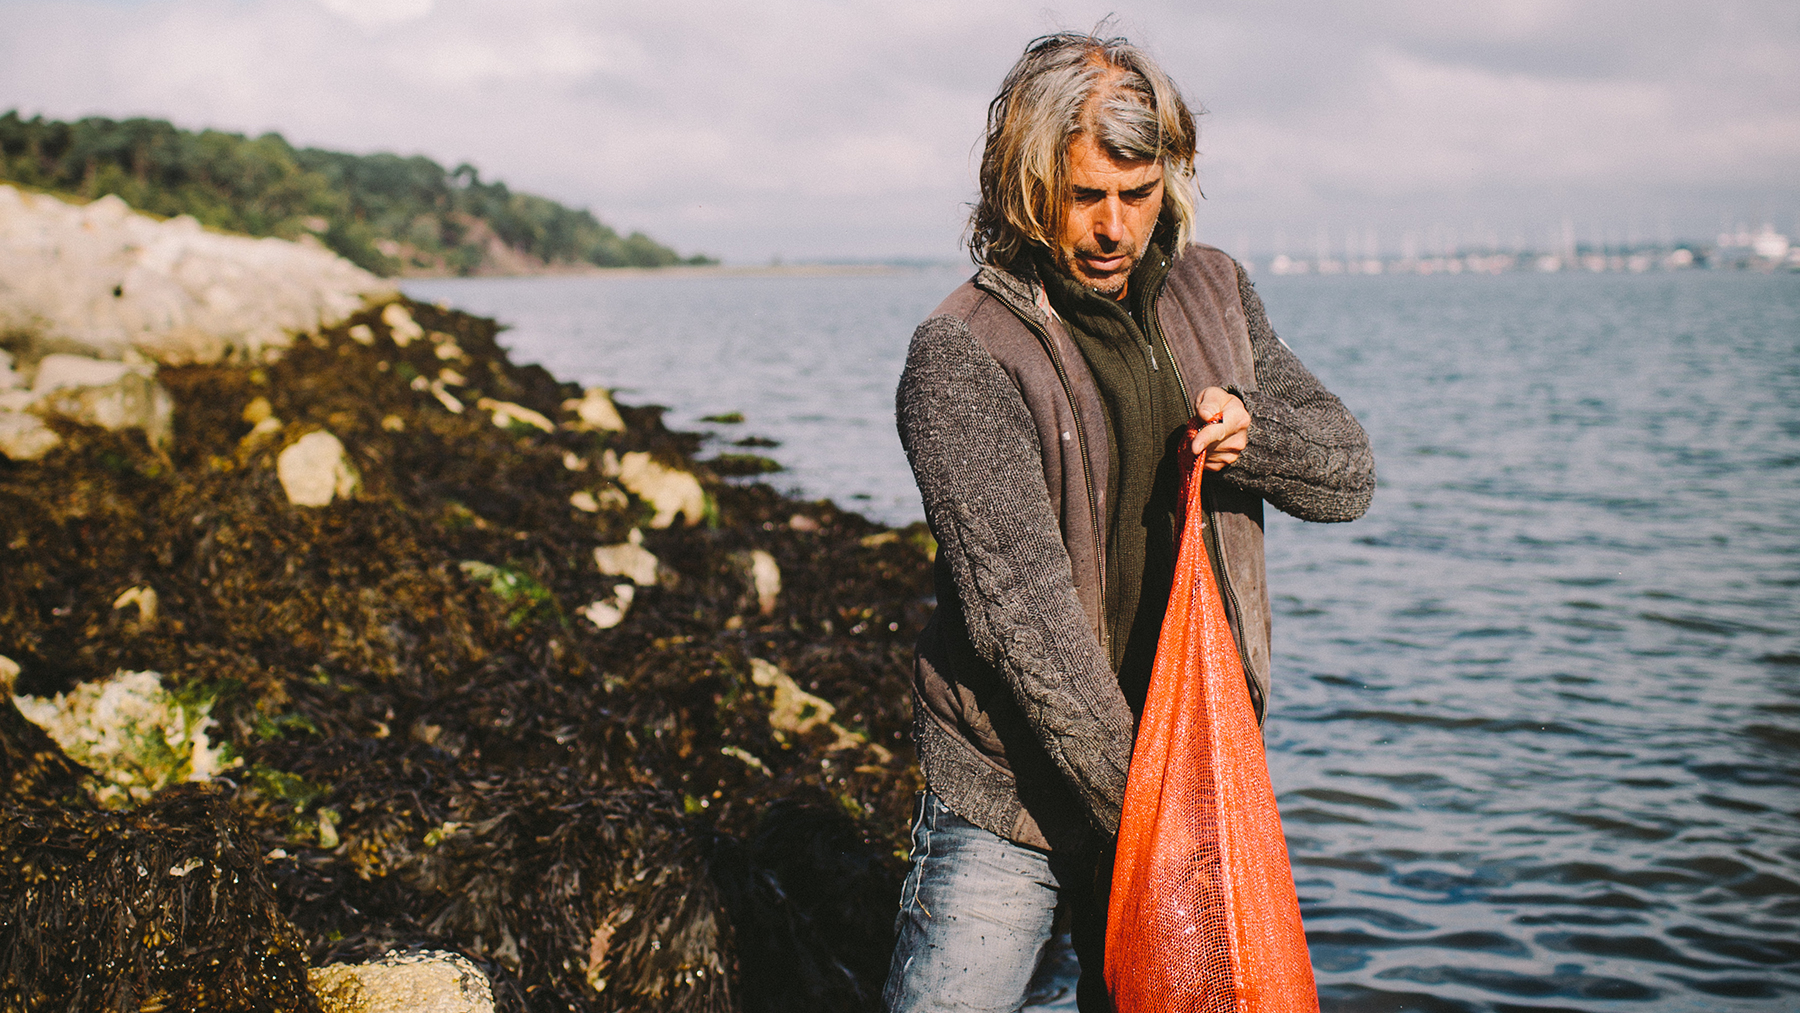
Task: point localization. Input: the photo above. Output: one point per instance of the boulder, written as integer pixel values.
(135, 736)
(314, 470)
(112, 395)
(107, 280)
(429, 981)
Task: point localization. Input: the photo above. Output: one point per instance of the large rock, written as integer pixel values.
(431, 981)
(25, 437)
(135, 736)
(112, 395)
(104, 279)
(314, 470)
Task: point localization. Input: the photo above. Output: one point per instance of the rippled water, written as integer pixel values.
(1536, 727)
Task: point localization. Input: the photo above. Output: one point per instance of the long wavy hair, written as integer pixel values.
(1065, 85)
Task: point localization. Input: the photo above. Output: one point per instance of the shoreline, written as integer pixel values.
(693, 271)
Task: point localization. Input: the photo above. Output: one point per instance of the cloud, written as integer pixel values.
(379, 13)
(820, 128)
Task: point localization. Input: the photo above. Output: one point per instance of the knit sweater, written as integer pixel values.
(1021, 724)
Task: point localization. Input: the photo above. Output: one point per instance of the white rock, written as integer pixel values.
(506, 413)
(112, 395)
(427, 982)
(765, 575)
(105, 279)
(9, 380)
(401, 326)
(314, 470)
(25, 437)
(669, 491)
(796, 711)
(144, 597)
(596, 410)
(135, 736)
(609, 612)
(584, 501)
(628, 559)
(9, 673)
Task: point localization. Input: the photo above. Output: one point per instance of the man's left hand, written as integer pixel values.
(1224, 428)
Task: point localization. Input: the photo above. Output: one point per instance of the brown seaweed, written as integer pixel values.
(603, 819)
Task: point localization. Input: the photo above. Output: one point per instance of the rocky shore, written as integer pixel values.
(330, 634)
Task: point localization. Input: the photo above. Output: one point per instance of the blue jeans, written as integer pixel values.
(976, 912)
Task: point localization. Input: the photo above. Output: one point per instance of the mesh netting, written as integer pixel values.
(1203, 914)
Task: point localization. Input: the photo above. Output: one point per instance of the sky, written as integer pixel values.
(841, 130)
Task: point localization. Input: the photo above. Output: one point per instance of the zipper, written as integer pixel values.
(1214, 547)
(1087, 475)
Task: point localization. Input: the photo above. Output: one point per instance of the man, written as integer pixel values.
(1041, 408)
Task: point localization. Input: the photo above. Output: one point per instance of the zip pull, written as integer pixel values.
(1148, 347)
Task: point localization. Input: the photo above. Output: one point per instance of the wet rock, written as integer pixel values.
(628, 559)
(669, 491)
(103, 278)
(133, 734)
(314, 470)
(428, 981)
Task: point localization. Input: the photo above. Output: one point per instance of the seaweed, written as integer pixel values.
(426, 742)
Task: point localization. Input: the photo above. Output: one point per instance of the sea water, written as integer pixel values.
(1536, 720)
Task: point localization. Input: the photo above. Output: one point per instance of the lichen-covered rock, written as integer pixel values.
(105, 279)
(427, 981)
(314, 470)
(132, 733)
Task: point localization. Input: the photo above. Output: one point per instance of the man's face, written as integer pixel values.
(1112, 213)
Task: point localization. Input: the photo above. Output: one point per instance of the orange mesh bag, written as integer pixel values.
(1203, 915)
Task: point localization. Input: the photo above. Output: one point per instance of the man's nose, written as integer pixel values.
(1110, 223)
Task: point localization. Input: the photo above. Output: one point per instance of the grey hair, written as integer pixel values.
(1065, 85)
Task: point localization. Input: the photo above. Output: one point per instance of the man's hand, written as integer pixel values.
(1224, 428)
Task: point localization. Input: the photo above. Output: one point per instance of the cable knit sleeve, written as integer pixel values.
(974, 450)
(1307, 454)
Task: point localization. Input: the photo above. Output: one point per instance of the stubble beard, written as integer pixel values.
(1068, 262)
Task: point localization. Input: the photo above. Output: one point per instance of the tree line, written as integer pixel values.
(387, 213)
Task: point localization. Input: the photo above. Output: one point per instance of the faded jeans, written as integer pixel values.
(976, 912)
